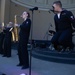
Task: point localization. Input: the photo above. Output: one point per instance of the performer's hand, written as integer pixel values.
(16, 25)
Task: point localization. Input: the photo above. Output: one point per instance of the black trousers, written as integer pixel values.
(7, 45)
(1, 42)
(23, 52)
(63, 38)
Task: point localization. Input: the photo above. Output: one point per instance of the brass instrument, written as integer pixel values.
(15, 31)
(2, 27)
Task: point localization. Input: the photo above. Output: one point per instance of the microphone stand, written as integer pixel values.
(31, 44)
(35, 8)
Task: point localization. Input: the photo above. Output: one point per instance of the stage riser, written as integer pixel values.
(54, 56)
(67, 54)
(53, 59)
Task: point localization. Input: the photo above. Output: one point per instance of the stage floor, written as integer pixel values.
(39, 67)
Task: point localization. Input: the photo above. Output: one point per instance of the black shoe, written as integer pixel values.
(25, 67)
(72, 47)
(19, 64)
(70, 51)
(3, 74)
(8, 56)
(4, 56)
(1, 53)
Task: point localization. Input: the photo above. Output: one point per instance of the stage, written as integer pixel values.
(39, 67)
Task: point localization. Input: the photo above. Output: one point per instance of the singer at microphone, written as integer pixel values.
(64, 21)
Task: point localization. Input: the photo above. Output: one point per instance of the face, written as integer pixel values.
(24, 15)
(55, 8)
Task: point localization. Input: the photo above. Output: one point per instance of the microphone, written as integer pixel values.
(51, 10)
(35, 8)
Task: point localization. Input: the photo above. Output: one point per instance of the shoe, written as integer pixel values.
(19, 64)
(25, 67)
(72, 47)
(3, 74)
(70, 51)
(4, 56)
(8, 56)
(1, 53)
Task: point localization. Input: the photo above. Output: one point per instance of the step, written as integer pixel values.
(49, 52)
(53, 58)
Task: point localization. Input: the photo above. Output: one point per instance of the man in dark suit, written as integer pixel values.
(23, 40)
(64, 20)
(7, 40)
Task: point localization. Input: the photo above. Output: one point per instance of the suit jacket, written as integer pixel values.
(25, 29)
(65, 21)
(7, 32)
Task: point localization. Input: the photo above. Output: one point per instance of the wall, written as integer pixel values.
(0, 11)
(7, 11)
(44, 4)
(4, 11)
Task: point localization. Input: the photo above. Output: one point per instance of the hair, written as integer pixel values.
(28, 15)
(58, 3)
